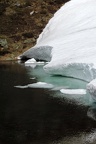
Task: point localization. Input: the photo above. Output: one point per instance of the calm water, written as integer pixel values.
(41, 115)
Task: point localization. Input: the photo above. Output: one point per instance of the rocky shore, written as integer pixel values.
(21, 23)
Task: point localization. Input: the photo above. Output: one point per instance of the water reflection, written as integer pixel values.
(37, 116)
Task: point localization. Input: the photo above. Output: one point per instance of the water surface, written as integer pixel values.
(41, 115)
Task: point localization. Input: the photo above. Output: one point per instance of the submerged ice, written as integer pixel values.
(71, 89)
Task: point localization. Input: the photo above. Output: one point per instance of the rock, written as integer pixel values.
(3, 43)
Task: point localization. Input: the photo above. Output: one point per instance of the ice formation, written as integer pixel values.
(73, 91)
(71, 33)
(36, 85)
(38, 53)
(91, 87)
(30, 61)
(69, 41)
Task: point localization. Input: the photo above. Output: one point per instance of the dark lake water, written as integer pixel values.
(41, 115)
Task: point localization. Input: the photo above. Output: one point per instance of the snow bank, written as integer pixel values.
(69, 41)
(71, 33)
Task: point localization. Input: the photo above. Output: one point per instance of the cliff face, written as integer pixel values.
(21, 23)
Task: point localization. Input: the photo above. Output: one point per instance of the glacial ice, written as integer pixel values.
(38, 53)
(91, 87)
(33, 63)
(69, 37)
(71, 33)
(69, 41)
(79, 96)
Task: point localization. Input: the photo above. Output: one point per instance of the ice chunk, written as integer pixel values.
(79, 96)
(33, 78)
(37, 85)
(38, 53)
(22, 87)
(40, 62)
(30, 61)
(73, 91)
(40, 85)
